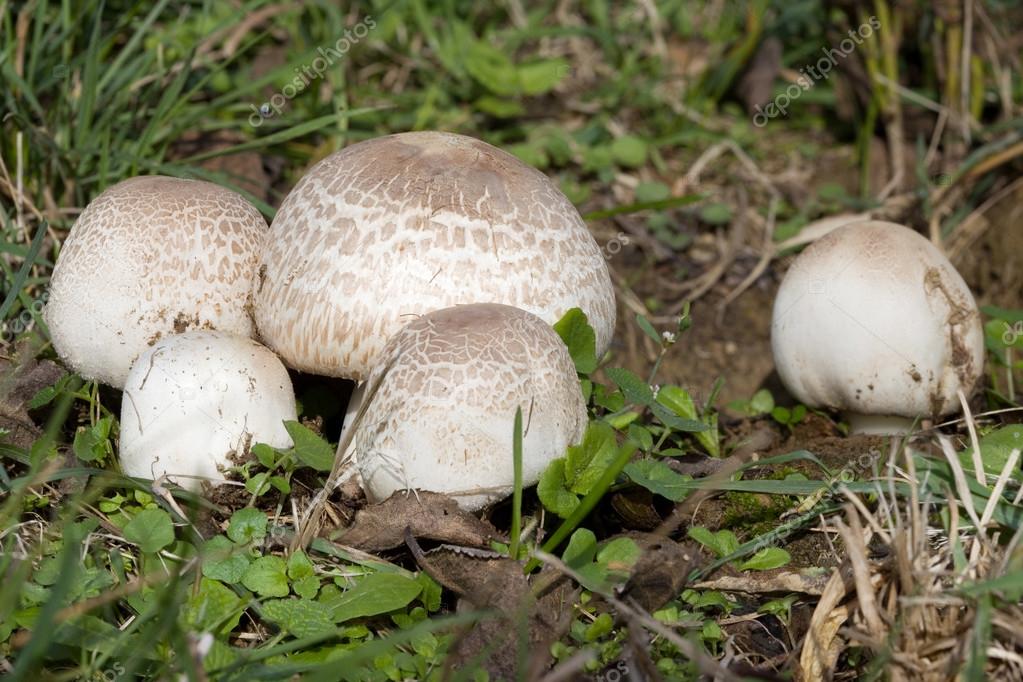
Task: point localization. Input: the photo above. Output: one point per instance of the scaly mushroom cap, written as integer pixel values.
(874, 320)
(194, 399)
(148, 257)
(405, 224)
(443, 416)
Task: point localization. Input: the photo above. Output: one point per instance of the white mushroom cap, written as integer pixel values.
(196, 398)
(443, 416)
(148, 257)
(872, 319)
(405, 224)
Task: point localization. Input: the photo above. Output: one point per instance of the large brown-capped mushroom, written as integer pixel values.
(405, 224)
(148, 257)
(441, 417)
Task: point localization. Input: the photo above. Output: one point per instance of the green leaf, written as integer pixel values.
(151, 530)
(659, 478)
(629, 150)
(299, 566)
(553, 491)
(722, 543)
(300, 617)
(678, 400)
(669, 419)
(995, 449)
(586, 462)
(766, 559)
(539, 77)
(575, 330)
(223, 560)
(93, 443)
(581, 549)
(306, 587)
(214, 608)
(636, 390)
(310, 449)
(762, 402)
(619, 557)
(266, 455)
(716, 214)
(648, 329)
(267, 576)
(374, 594)
(247, 525)
(492, 69)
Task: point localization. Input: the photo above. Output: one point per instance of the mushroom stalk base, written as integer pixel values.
(877, 425)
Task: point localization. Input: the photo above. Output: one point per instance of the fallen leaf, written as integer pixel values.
(378, 527)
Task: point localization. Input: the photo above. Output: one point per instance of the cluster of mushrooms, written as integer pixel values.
(429, 268)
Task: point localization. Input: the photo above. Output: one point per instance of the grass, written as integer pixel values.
(630, 108)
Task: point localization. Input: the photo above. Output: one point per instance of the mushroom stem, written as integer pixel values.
(877, 424)
(354, 403)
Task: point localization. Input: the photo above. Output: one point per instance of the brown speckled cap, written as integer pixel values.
(401, 225)
(148, 257)
(442, 418)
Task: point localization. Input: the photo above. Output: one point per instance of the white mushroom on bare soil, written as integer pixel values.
(405, 224)
(443, 400)
(193, 400)
(873, 320)
(152, 256)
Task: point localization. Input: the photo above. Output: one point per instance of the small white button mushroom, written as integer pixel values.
(442, 418)
(873, 320)
(405, 224)
(151, 256)
(194, 399)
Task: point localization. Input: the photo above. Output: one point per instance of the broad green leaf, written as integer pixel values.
(224, 560)
(374, 594)
(995, 449)
(247, 525)
(716, 214)
(539, 77)
(636, 390)
(492, 69)
(619, 556)
(581, 549)
(310, 449)
(151, 530)
(93, 443)
(762, 402)
(766, 559)
(306, 587)
(629, 150)
(722, 543)
(267, 576)
(575, 330)
(586, 462)
(214, 608)
(669, 419)
(300, 617)
(659, 478)
(299, 566)
(266, 455)
(553, 492)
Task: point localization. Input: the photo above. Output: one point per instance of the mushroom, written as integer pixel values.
(441, 411)
(873, 320)
(193, 400)
(405, 224)
(151, 256)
